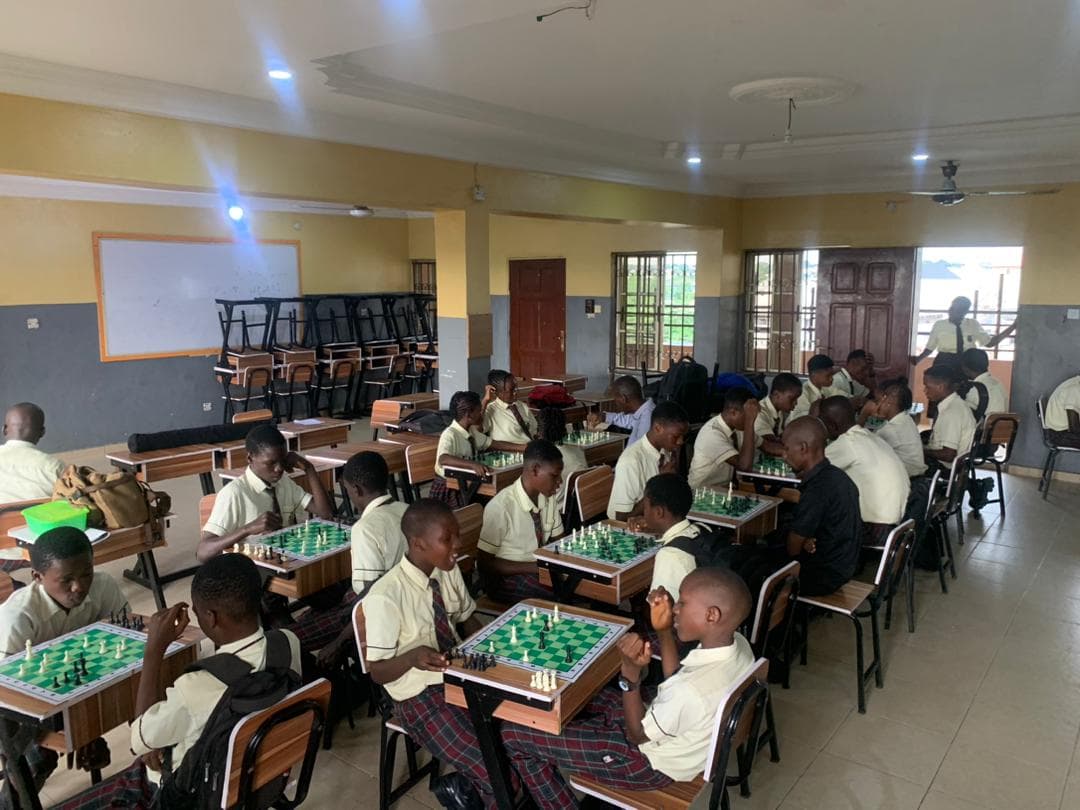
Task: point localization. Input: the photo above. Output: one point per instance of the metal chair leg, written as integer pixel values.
(1001, 489)
(875, 638)
(859, 661)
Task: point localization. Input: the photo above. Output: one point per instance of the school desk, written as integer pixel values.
(784, 487)
(420, 450)
(602, 580)
(297, 578)
(335, 458)
(571, 382)
(600, 400)
(606, 450)
(756, 523)
(470, 484)
(391, 410)
(171, 462)
(303, 434)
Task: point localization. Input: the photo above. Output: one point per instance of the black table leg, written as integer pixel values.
(564, 584)
(406, 487)
(153, 580)
(482, 704)
(468, 484)
(346, 510)
(206, 479)
(19, 782)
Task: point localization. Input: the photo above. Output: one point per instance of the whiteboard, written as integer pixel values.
(156, 296)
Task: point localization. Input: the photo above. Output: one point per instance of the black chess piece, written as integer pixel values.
(547, 624)
(543, 642)
(55, 682)
(67, 678)
(84, 671)
(491, 660)
(78, 681)
(569, 654)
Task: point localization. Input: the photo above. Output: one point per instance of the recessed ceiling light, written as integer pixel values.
(919, 157)
(694, 161)
(236, 213)
(279, 74)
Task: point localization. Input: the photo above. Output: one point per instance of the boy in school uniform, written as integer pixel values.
(461, 443)
(377, 541)
(727, 442)
(668, 499)
(632, 412)
(1063, 413)
(658, 452)
(775, 411)
(975, 365)
(856, 378)
(954, 427)
(519, 520)
(877, 471)
(26, 473)
(506, 419)
(225, 596)
(410, 617)
(626, 743)
(820, 369)
(892, 404)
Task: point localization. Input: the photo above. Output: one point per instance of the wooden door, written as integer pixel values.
(538, 317)
(865, 299)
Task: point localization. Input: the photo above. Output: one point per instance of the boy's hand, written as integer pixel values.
(153, 760)
(869, 408)
(295, 461)
(751, 408)
(166, 626)
(489, 393)
(809, 545)
(636, 523)
(636, 654)
(266, 522)
(429, 660)
(668, 463)
(661, 609)
(592, 419)
(481, 470)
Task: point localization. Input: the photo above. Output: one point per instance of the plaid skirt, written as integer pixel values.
(128, 789)
(316, 628)
(514, 588)
(440, 492)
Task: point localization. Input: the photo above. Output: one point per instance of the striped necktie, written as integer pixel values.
(959, 339)
(444, 633)
(520, 419)
(538, 527)
(275, 506)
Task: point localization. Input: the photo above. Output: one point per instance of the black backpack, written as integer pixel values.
(198, 782)
(711, 548)
(428, 422)
(687, 383)
(984, 396)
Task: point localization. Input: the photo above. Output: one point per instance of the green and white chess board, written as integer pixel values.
(720, 504)
(586, 438)
(307, 541)
(607, 544)
(499, 459)
(768, 465)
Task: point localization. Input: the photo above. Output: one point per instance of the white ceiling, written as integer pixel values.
(622, 96)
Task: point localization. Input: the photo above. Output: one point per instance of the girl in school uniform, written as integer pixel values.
(552, 423)
(460, 444)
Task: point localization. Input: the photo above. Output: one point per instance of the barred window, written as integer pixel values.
(780, 308)
(654, 309)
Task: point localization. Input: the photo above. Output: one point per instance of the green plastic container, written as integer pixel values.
(53, 514)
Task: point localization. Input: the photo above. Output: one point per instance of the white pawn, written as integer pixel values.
(532, 681)
(513, 635)
(119, 652)
(491, 646)
(102, 647)
(67, 657)
(528, 617)
(525, 657)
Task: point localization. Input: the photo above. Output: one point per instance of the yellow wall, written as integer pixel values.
(47, 255)
(1047, 226)
(421, 238)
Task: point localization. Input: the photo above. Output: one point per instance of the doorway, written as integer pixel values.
(538, 317)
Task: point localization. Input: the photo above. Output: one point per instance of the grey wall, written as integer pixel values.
(500, 332)
(88, 403)
(717, 326)
(458, 372)
(588, 341)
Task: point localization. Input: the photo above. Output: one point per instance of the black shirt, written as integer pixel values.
(828, 511)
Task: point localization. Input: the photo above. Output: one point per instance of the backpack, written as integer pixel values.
(552, 395)
(711, 548)
(686, 383)
(198, 782)
(116, 500)
(428, 422)
(984, 396)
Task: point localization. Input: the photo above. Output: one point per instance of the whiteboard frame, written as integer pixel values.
(99, 236)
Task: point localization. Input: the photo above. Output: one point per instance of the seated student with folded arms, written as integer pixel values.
(954, 427)
(656, 453)
(668, 499)
(975, 365)
(632, 412)
(225, 595)
(517, 521)
(825, 533)
(775, 410)
(461, 443)
(892, 404)
(726, 442)
(506, 419)
(877, 471)
(410, 617)
(26, 473)
(820, 371)
(626, 743)
(1063, 413)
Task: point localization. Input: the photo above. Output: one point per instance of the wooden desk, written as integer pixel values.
(603, 452)
(784, 487)
(325, 470)
(297, 579)
(567, 574)
(327, 432)
(391, 410)
(571, 382)
(230, 455)
(420, 450)
(393, 454)
(171, 462)
(749, 528)
(470, 485)
(502, 693)
(573, 414)
(595, 399)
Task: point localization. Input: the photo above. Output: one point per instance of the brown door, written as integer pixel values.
(864, 302)
(538, 317)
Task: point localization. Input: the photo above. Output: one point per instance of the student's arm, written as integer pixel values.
(1000, 336)
(638, 509)
(944, 454)
(745, 459)
(1074, 421)
(509, 447)
(320, 504)
(662, 618)
(475, 467)
(809, 516)
(491, 564)
(635, 657)
(162, 629)
(389, 670)
(623, 420)
(210, 544)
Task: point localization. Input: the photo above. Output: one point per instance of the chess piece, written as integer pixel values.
(22, 669)
(67, 657)
(29, 650)
(55, 682)
(78, 681)
(84, 670)
(525, 657)
(555, 618)
(543, 644)
(491, 646)
(102, 647)
(85, 642)
(528, 617)
(569, 654)
(67, 677)
(547, 624)
(513, 635)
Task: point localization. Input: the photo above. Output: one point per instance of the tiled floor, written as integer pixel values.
(981, 705)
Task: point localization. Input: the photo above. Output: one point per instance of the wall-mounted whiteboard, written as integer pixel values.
(156, 294)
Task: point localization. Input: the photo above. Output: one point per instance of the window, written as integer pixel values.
(654, 308)
(423, 276)
(780, 307)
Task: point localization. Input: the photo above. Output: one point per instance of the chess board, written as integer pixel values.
(768, 465)
(301, 542)
(101, 667)
(586, 438)
(498, 459)
(739, 507)
(587, 638)
(607, 544)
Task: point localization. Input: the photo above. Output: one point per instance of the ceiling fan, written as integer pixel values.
(949, 194)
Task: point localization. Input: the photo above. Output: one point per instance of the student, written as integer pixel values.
(826, 531)
(1063, 413)
(856, 378)
(552, 427)
(775, 410)
(506, 419)
(519, 520)
(668, 499)
(630, 745)
(658, 452)
(726, 442)
(263, 499)
(377, 542)
(26, 473)
(820, 370)
(632, 412)
(410, 615)
(954, 427)
(225, 594)
(461, 443)
(877, 471)
(953, 335)
(975, 365)
(893, 404)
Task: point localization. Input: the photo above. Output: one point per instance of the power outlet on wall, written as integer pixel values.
(208, 406)
(33, 323)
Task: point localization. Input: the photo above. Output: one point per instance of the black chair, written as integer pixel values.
(1053, 450)
(994, 446)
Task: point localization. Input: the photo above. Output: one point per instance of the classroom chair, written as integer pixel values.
(470, 521)
(1053, 450)
(850, 597)
(391, 733)
(571, 518)
(269, 745)
(736, 728)
(385, 375)
(334, 376)
(254, 385)
(261, 415)
(296, 384)
(592, 491)
(994, 446)
(773, 614)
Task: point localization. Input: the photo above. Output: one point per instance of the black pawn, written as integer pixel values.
(67, 678)
(491, 660)
(84, 671)
(547, 625)
(78, 681)
(55, 682)
(569, 654)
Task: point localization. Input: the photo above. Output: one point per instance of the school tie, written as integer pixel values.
(959, 339)
(444, 634)
(472, 445)
(538, 527)
(275, 506)
(520, 419)
(776, 426)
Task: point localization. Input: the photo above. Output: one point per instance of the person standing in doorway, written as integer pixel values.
(952, 336)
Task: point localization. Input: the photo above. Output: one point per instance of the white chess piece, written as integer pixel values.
(528, 617)
(555, 618)
(513, 635)
(491, 646)
(29, 650)
(525, 657)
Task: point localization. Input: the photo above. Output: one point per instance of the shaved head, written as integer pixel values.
(838, 414)
(24, 422)
(807, 430)
(722, 588)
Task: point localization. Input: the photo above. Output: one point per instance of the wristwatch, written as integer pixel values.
(628, 685)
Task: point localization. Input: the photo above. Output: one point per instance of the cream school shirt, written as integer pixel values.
(679, 722)
(997, 401)
(26, 473)
(573, 459)
(954, 426)
(637, 464)
(943, 336)
(245, 498)
(454, 441)
(811, 394)
(30, 614)
(399, 616)
(377, 541)
(179, 719)
(671, 565)
(902, 435)
(878, 473)
(716, 442)
(1066, 397)
(769, 422)
(509, 532)
(848, 385)
(501, 426)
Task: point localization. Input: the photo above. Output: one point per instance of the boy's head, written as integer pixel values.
(938, 382)
(63, 564)
(838, 415)
(974, 362)
(804, 443)
(542, 467)
(713, 603)
(785, 392)
(820, 369)
(226, 593)
(669, 426)
(432, 532)
(959, 307)
(668, 499)
(734, 400)
(365, 476)
(266, 452)
(626, 393)
(857, 364)
(893, 397)
(24, 422)
(552, 424)
(465, 408)
(504, 384)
